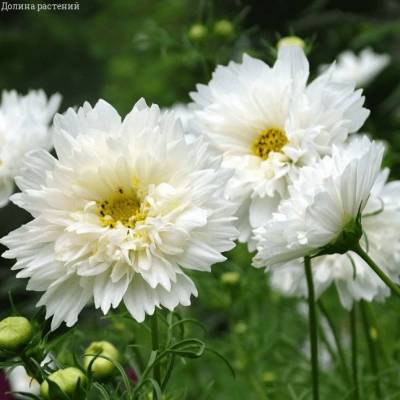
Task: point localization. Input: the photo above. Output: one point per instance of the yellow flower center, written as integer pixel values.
(271, 139)
(123, 207)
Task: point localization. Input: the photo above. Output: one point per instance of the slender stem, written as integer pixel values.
(336, 338)
(371, 348)
(354, 364)
(155, 347)
(32, 368)
(364, 255)
(312, 316)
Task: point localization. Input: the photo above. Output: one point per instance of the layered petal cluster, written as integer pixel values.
(361, 68)
(24, 126)
(353, 278)
(119, 215)
(268, 122)
(324, 198)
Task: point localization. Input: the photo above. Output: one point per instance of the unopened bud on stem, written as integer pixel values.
(66, 379)
(15, 332)
(100, 367)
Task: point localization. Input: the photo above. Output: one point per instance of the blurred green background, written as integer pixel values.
(122, 50)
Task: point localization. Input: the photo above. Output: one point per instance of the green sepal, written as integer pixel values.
(347, 240)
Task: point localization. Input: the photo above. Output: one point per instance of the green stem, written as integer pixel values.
(155, 347)
(364, 255)
(354, 364)
(34, 370)
(312, 315)
(371, 348)
(336, 338)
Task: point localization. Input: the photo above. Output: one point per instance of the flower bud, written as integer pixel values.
(197, 32)
(291, 41)
(230, 278)
(224, 28)
(240, 328)
(100, 367)
(373, 332)
(15, 332)
(268, 377)
(66, 379)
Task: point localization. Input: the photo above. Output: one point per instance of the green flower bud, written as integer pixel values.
(66, 379)
(230, 278)
(373, 333)
(240, 328)
(268, 376)
(100, 367)
(197, 32)
(291, 41)
(224, 28)
(15, 332)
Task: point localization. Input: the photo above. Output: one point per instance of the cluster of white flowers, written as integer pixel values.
(129, 205)
(300, 176)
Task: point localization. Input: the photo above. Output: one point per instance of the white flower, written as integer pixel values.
(361, 69)
(116, 217)
(324, 199)
(24, 125)
(353, 278)
(20, 381)
(268, 122)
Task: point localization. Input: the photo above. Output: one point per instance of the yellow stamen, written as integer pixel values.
(122, 206)
(271, 139)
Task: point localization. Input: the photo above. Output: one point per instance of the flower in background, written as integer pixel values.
(127, 205)
(20, 381)
(268, 122)
(326, 362)
(353, 278)
(322, 214)
(24, 126)
(361, 69)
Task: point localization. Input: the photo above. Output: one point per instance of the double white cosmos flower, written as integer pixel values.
(326, 199)
(125, 206)
(353, 278)
(268, 122)
(24, 126)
